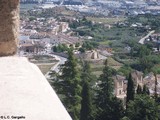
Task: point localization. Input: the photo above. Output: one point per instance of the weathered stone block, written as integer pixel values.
(9, 25)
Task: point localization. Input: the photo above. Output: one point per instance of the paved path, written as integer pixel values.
(56, 67)
(143, 39)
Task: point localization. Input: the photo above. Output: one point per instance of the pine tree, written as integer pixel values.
(117, 109)
(130, 89)
(86, 103)
(107, 105)
(105, 87)
(139, 89)
(68, 86)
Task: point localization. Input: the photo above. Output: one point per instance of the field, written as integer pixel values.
(115, 37)
(44, 62)
(98, 67)
(45, 67)
(106, 20)
(68, 13)
(106, 42)
(114, 64)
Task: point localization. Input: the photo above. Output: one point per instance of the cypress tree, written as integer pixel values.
(86, 106)
(105, 87)
(130, 89)
(86, 103)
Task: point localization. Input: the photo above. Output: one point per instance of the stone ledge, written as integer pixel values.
(24, 91)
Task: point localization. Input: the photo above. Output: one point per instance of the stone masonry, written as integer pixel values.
(9, 16)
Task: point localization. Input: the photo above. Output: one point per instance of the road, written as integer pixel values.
(56, 67)
(143, 39)
(61, 62)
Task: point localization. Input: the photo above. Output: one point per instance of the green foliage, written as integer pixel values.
(82, 50)
(146, 61)
(117, 109)
(130, 89)
(113, 110)
(138, 50)
(86, 72)
(106, 84)
(108, 107)
(156, 68)
(79, 23)
(68, 85)
(147, 19)
(60, 48)
(77, 44)
(143, 108)
(101, 34)
(158, 100)
(31, 18)
(145, 64)
(143, 51)
(86, 103)
(89, 45)
(125, 70)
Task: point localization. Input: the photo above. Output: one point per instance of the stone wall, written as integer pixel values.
(9, 25)
(24, 91)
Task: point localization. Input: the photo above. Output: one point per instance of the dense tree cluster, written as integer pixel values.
(86, 101)
(140, 57)
(147, 19)
(88, 45)
(60, 48)
(142, 108)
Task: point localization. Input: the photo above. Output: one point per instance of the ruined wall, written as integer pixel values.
(9, 21)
